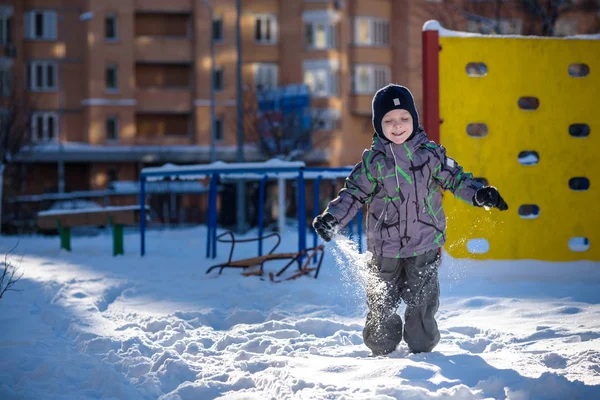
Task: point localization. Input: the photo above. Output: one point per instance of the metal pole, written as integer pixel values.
(1, 187)
(211, 217)
(142, 215)
(213, 229)
(61, 156)
(213, 153)
(261, 213)
(316, 210)
(281, 186)
(241, 186)
(301, 212)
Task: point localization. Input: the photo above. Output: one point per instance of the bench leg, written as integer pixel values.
(118, 247)
(65, 237)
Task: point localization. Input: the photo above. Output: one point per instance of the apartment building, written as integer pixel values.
(116, 85)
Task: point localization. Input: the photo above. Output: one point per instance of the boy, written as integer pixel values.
(399, 178)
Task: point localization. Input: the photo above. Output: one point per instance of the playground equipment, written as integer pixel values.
(315, 253)
(519, 112)
(116, 217)
(272, 169)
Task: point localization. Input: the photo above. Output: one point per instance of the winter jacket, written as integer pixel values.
(400, 183)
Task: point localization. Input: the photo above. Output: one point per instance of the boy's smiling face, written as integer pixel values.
(397, 126)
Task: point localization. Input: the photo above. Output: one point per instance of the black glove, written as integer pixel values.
(325, 225)
(488, 196)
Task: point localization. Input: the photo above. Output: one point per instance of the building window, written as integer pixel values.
(44, 126)
(371, 32)
(266, 29)
(110, 27)
(112, 128)
(5, 82)
(41, 76)
(266, 76)
(5, 29)
(367, 79)
(217, 29)
(321, 77)
(40, 25)
(502, 26)
(321, 82)
(218, 79)
(218, 129)
(326, 119)
(112, 78)
(565, 27)
(320, 35)
(112, 174)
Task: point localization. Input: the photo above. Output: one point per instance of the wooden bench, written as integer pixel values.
(297, 257)
(64, 220)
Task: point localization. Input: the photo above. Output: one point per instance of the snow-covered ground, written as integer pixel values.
(87, 325)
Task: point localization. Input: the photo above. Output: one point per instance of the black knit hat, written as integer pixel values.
(392, 97)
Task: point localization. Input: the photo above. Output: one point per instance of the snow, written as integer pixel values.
(433, 25)
(308, 175)
(189, 171)
(196, 171)
(88, 210)
(166, 186)
(579, 244)
(529, 159)
(478, 246)
(87, 325)
(275, 163)
(74, 205)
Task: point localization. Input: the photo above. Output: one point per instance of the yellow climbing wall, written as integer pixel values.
(524, 67)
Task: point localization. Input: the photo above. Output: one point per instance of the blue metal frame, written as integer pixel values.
(316, 193)
(261, 213)
(142, 215)
(211, 243)
(212, 215)
(301, 213)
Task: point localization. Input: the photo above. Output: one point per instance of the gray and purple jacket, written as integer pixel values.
(400, 183)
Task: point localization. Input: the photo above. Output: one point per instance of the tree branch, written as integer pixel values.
(7, 279)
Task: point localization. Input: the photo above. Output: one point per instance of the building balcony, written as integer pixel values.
(257, 52)
(163, 128)
(44, 50)
(163, 49)
(164, 100)
(163, 6)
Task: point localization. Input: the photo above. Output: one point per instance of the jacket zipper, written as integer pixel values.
(396, 171)
(397, 179)
(381, 215)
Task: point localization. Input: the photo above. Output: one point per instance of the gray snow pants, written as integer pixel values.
(414, 280)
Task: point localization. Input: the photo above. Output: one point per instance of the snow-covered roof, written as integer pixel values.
(192, 153)
(133, 187)
(121, 188)
(199, 171)
(336, 173)
(433, 25)
(274, 168)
